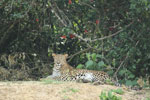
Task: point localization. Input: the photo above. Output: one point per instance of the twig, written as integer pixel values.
(112, 34)
(64, 16)
(62, 20)
(115, 74)
(53, 7)
(89, 39)
(88, 6)
(4, 4)
(6, 33)
(70, 57)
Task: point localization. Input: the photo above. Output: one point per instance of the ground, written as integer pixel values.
(49, 90)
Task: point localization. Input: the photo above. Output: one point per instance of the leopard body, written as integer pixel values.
(64, 72)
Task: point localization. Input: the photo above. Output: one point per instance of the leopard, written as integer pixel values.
(62, 71)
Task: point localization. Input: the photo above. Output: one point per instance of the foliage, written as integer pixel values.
(118, 91)
(93, 62)
(109, 96)
(97, 35)
(20, 66)
(73, 90)
(147, 98)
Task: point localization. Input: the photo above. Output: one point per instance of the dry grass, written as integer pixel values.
(60, 91)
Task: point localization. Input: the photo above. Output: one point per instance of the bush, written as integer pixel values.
(109, 96)
(114, 40)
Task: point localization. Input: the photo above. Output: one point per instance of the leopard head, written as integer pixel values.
(60, 59)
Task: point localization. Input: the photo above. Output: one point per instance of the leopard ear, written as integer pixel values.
(53, 54)
(66, 55)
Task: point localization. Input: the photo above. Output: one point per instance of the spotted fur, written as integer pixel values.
(64, 72)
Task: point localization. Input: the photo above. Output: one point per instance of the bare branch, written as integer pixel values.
(54, 7)
(127, 55)
(70, 57)
(63, 21)
(81, 38)
(88, 5)
(111, 34)
(89, 39)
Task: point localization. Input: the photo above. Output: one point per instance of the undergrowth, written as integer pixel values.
(110, 95)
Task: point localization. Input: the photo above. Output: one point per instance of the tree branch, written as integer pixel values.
(6, 36)
(98, 39)
(63, 21)
(70, 57)
(127, 55)
(88, 5)
(113, 33)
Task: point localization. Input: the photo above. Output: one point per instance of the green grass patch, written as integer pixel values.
(70, 90)
(109, 96)
(118, 91)
(147, 98)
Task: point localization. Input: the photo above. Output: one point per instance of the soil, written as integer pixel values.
(49, 90)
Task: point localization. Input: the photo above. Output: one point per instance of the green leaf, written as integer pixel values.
(131, 76)
(88, 55)
(80, 66)
(101, 63)
(75, 24)
(147, 98)
(114, 62)
(118, 91)
(99, 56)
(129, 83)
(110, 72)
(89, 64)
(122, 72)
(134, 82)
(110, 94)
(49, 54)
(134, 66)
(103, 96)
(94, 56)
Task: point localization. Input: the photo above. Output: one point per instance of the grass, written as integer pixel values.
(74, 90)
(50, 81)
(70, 90)
(147, 98)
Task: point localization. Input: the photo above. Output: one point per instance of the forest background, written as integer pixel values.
(109, 35)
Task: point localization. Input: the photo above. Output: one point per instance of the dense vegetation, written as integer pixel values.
(110, 35)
